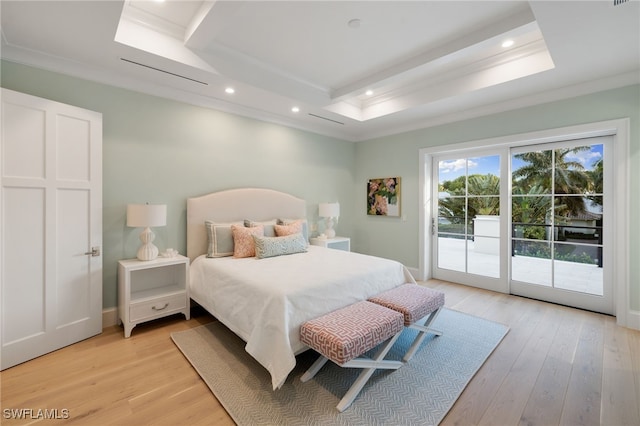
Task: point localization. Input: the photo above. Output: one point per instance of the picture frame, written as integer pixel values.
(383, 197)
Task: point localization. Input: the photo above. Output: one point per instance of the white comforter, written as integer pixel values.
(264, 301)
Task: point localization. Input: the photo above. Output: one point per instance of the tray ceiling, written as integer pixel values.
(354, 70)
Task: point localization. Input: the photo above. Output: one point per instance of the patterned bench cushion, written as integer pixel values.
(349, 332)
(412, 300)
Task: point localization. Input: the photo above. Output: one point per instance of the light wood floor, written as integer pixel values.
(556, 365)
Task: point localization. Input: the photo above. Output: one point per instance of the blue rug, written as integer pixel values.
(419, 393)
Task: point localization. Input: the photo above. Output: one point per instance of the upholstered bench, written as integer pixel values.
(415, 303)
(342, 336)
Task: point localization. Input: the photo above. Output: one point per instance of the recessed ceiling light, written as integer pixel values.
(354, 23)
(507, 43)
(295, 109)
(369, 92)
(230, 90)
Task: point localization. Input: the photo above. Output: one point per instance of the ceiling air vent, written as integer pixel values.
(618, 2)
(325, 118)
(164, 71)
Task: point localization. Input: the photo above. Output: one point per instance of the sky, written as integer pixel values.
(452, 169)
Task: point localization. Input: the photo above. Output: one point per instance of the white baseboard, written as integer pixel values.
(109, 317)
(633, 320)
(415, 273)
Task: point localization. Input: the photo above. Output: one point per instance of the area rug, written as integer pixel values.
(419, 393)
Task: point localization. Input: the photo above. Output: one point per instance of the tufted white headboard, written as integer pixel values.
(236, 205)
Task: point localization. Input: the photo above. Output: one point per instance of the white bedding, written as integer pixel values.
(264, 301)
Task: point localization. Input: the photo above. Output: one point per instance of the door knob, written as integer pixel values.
(95, 251)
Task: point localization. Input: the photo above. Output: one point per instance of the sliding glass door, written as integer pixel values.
(530, 220)
(559, 224)
(469, 229)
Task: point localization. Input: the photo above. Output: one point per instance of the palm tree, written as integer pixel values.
(597, 182)
(481, 191)
(530, 212)
(569, 177)
(484, 186)
(530, 207)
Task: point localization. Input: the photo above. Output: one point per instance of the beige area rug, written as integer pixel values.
(419, 393)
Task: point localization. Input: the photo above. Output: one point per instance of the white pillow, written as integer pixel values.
(269, 230)
(220, 238)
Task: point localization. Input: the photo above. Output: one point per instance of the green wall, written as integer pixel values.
(161, 151)
(398, 156)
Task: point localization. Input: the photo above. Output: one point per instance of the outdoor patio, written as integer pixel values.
(573, 276)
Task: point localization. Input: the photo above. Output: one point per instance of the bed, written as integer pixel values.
(265, 300)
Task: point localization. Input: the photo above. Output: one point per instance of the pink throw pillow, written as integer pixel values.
(243, 244)
(290, 229)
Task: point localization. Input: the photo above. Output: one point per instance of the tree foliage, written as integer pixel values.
(465, 197)
(477, 196)
(568, 179)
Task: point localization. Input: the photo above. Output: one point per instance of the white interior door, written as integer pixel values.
(51, 221)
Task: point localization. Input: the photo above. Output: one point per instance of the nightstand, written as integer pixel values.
(339, 243)
(152, 289)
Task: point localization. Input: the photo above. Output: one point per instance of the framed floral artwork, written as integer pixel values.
(383, 197)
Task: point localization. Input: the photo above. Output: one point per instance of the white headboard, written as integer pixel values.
(235, 205)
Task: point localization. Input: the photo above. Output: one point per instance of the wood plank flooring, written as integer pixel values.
(556, 366)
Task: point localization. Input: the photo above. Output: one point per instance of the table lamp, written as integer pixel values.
(146, 216)
(329, 211)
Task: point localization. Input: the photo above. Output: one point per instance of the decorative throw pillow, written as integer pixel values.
(269, 230)
(278, 246)
(305, 225)
(243, 245)
(284, 230)
(220, 238)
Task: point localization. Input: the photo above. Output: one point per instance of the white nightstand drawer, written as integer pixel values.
(159, 306)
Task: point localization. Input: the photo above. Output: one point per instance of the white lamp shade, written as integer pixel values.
(146, 215)
(329, 210)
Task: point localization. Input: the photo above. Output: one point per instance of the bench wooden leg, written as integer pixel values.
(423, 329)
(315, 367)
(369, 365)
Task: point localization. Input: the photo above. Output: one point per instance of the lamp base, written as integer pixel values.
(147, 250)
(329, 231)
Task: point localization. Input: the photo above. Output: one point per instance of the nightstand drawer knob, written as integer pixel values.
(166, 305)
